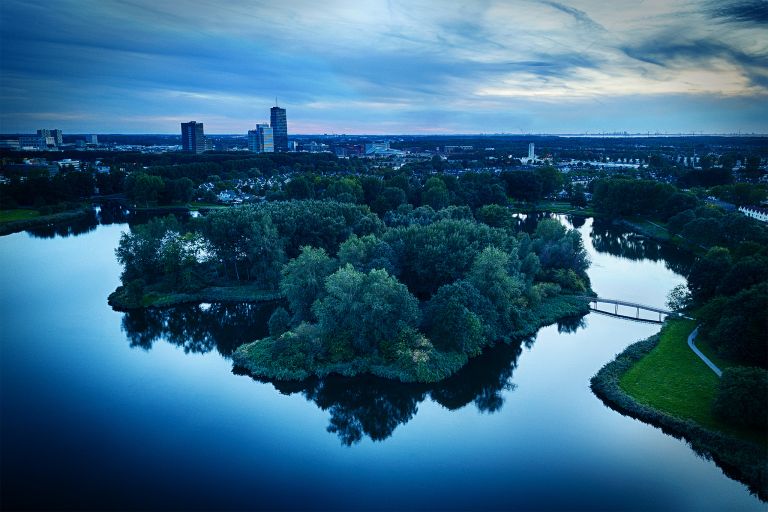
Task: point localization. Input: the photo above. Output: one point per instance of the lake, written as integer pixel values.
(107, 410)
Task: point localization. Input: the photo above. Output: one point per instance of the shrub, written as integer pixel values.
(742, 397)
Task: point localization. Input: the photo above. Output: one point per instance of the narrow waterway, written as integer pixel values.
(106, 410)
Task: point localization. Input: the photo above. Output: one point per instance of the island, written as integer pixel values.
(410, 297)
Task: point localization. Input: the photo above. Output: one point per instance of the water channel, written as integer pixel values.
(107, 410)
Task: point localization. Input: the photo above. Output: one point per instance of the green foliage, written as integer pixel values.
(736, 449)
(736, 325)
(143, 188)
(495, 275)
(742, 397)
(440, 253)
(551, 179)
(303, 281)
(559, 248)
(459, 318)
(246, 242)
(679, 298)
(435, 194)
(139, 251)
(365, 308)
(631, 197)
(706, 273)
(496, 216)
(279, 322)
(366, 253)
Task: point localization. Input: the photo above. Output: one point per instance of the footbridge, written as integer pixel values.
(620, 310)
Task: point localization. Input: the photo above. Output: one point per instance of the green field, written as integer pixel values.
(674, 380)
(14, 215)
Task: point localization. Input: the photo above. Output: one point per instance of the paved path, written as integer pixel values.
(698, 352)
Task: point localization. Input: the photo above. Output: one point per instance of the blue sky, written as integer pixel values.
(477, 66)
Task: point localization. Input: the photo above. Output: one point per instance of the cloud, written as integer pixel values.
(418, 65)
(743, 11)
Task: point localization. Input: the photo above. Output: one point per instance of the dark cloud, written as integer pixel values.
(744, 11)
(580, 16)
(675, 50)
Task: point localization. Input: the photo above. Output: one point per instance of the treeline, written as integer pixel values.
(391, 189)
(412, 300)
(37, 189)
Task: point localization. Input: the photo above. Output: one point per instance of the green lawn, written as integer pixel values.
(674, 380)
(12, 215)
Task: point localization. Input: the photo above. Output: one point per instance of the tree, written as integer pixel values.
(365, 309)
(279, 322)
(496, 216)
(497, 279)
(551, 179)
(366, 253)
(435, 193)
(707, 272)
(741, 397)
(303, 281)
(143, 188)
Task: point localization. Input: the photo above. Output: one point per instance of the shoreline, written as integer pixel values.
(738, 459)
(249, 359)
(16, 226)
(120, 300)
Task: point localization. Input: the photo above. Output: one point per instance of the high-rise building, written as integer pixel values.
(531, 153)
(192, 137)
(279, 124)
(261, 139)
(92, 139)
(58, 137)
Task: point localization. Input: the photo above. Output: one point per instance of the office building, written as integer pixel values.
(279, 124)
(58, 137)
(193, 137)
(261, 139)
(531, 152)
(31, 142)
(92, 139)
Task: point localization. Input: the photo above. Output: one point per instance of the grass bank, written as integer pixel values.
(662, 382)
(20, 214)
(13, 221)
(674, 380)
(121, 299)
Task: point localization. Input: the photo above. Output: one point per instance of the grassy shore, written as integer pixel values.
(121, 300)
(662, 382)
(673, 379)
(13, 221)
(20, 214)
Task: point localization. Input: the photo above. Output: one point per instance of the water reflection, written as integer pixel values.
(359, 407)
(199, 328)
(373, 407)
(622, 241)
(78, 226)
(107, 213)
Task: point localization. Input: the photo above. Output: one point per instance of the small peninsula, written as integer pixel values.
(411, 297)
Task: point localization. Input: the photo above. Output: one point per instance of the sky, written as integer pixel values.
(385, 67)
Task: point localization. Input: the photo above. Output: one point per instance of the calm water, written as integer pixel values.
(106, 410)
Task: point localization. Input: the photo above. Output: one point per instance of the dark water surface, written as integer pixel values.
(105, 410)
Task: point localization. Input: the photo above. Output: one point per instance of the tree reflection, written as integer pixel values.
(199, 328)
(622, 241)
(373, 407)
(359, 407)
(78, 226)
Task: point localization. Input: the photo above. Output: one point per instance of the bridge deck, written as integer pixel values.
(618, 302)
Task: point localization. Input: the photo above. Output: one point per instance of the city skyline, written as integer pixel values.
(416, 68)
